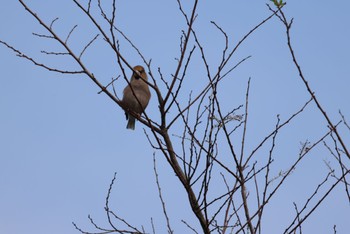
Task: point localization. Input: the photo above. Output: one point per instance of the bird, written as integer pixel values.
(136, 95)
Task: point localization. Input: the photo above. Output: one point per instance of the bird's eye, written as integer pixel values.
(142, 71)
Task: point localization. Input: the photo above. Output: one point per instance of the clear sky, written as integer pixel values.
(61, 141)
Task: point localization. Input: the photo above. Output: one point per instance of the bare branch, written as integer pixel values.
(43, 36)
(301, 75)
(82, 52)
(22, 55)
(160, 196)
(189, 30)
(52, 22)
(70, 33)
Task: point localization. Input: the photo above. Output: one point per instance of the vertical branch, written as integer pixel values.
(245, 123)
(170, 231)
(183, 52)
(186, 183)
(267, 174)
(240, 168)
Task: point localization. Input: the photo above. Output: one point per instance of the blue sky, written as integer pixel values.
(61, 141)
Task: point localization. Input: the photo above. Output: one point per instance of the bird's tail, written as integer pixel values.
(131, 123)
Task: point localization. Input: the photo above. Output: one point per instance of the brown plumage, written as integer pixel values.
(136, 93)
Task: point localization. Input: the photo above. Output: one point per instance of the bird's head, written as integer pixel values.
(139, 72)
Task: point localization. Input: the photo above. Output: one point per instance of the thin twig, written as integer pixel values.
(22, 55)
(161, 196)
(92, 40)
(70, 33)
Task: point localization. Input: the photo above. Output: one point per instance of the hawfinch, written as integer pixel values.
(136, 95)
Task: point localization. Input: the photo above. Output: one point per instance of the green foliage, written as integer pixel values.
(278, 3)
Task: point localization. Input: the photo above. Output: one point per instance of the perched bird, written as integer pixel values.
(136, 95)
